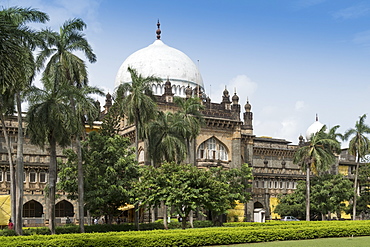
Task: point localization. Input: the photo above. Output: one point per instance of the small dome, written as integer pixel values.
(226, 93)
(247, 107)
(235, 98)
(313, 129)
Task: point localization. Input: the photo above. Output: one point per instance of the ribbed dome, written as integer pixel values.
(313, 129)
(160, 60)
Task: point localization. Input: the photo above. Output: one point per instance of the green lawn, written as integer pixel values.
(327, 242)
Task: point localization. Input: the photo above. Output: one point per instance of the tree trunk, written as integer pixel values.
(80, 171)
(19, 170)
(355, 188)
(308, 193)
(164, 215)
(137, 213)
(12, 172)
(52, 183)
(183, 222)
(191, 218)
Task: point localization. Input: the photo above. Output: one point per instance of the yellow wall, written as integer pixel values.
(238, 212)
(343, 170)
(5, 211)
(273, 203)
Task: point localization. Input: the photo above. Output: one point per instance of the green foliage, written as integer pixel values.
(186, 187)
(328, 194)
(294, 203)
(235, 233)
(110, 173)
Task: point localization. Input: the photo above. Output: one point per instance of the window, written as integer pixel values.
(32, 177)
(212, 149)
(1, 175)
(42, 177)
(8, 176)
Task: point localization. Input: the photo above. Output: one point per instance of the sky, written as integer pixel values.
(292, 59)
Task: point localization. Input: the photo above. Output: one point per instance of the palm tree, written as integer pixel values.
(50, 120)
(137, 104)
(317, 156)
(192, 120)
(359, 146)
(17, 68)
(166, 142)
(59, 48)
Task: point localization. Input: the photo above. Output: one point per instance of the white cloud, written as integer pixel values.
(356, 11)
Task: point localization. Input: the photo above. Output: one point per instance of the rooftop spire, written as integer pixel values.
(317, 117)
(158, 32)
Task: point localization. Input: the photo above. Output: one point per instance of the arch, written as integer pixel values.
(32, 209)
(213, 149)
(64, 209)
(141, 155)
(258, 205)
(154, 88)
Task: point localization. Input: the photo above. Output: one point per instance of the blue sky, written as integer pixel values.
(292, 59)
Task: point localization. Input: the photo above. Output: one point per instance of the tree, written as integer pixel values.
(293, 204)
(192, 119)
(137, 103)
(317, 155)
(166, 142)
(59, 48)
(110, 174)
(17, 68)
(328, 194)
(359, 146)
(186, 187)
(50, 120)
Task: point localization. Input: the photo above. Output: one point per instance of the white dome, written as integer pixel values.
(313, 129)
(160, 60)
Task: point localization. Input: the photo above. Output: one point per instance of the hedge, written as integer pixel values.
(247, 233)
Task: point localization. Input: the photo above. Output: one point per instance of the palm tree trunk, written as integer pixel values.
(355, 188)
(80, 175)
(52, 183)
(19, 170)
(137, 213)
(12, 173)
(308, 193)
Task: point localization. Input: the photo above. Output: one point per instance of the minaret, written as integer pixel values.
(168, 95)
(226, 100)
(248, 116)
(235, 107)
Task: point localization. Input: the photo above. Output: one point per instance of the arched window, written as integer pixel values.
(64, 209)
(42, 177)
(32, 209)
(32, 176)
(212, 149)
(141, 156)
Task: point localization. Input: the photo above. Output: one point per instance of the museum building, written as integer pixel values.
(226, 139)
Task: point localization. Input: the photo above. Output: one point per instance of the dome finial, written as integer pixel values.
(158, 32)
(317, 117)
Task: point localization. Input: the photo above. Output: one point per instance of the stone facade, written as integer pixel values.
(225, 140)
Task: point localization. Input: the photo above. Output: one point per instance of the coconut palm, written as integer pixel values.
(137, 102)
(190, 113)
(359, 146)
(17, 68)
(50, 121)
(64, 65)
(166, 142)
(316, 156)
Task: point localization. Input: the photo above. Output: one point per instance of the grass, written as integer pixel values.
(327, 242)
